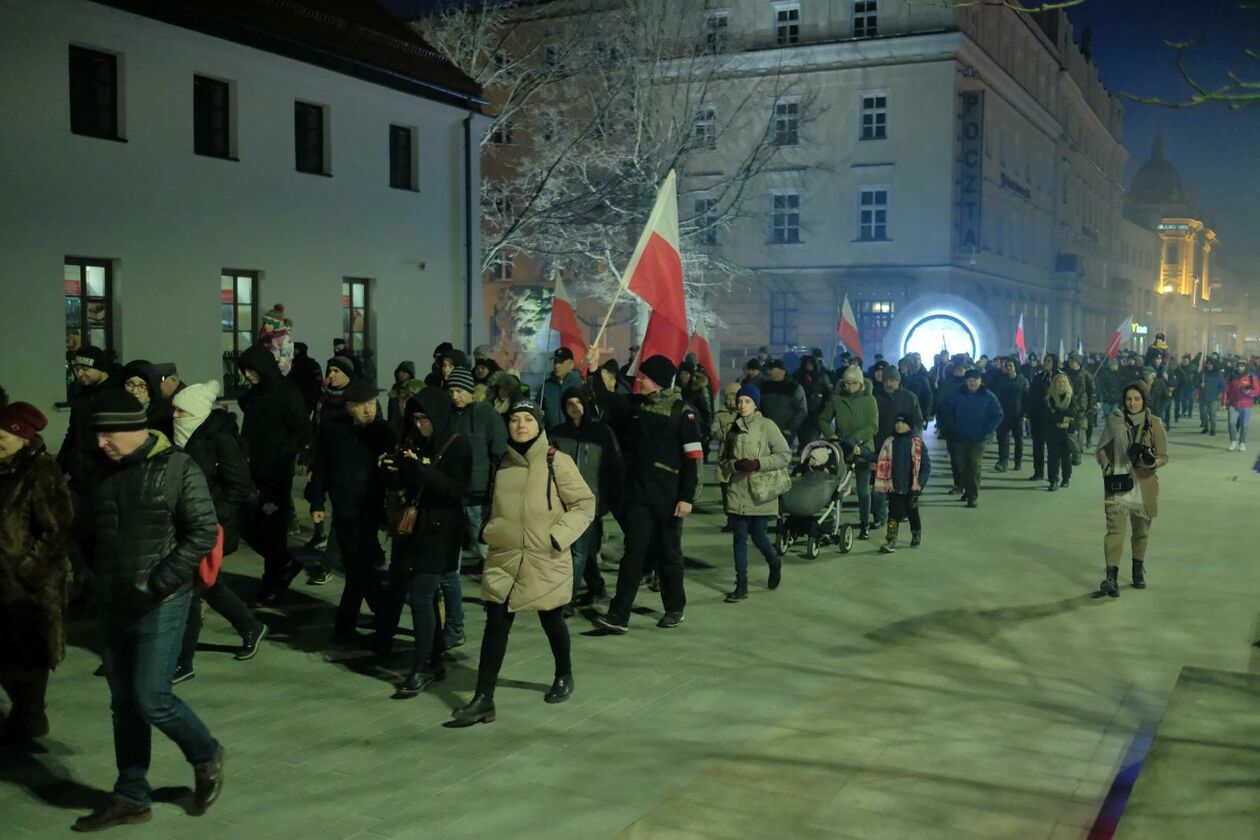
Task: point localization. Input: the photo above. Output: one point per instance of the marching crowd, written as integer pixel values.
(155, 481)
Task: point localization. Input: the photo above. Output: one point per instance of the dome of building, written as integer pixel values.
(1156, 181)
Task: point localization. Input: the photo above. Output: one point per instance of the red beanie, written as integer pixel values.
(22, 419)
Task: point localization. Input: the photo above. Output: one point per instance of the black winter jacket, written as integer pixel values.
(660, 436)
(900, 401)
(217, 448)
(78, 454)
(276, 425)
(1013, 395)
(487, 440)
(594, 448)
(440, 486)
(147, 546)
(346, 470)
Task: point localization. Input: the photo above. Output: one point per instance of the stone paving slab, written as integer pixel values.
(972, 687)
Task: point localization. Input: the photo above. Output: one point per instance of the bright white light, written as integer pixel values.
(940, 331)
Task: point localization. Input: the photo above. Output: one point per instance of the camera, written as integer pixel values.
(1142, 456)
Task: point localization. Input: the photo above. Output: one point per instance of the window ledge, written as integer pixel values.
(405, 189)
(311, 172)
(232, 158)
(99, 136)
(886, 239)
(798, 242)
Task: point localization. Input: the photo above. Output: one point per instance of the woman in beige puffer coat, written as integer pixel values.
(539, 507)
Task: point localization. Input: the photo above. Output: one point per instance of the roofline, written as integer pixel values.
(176, 14)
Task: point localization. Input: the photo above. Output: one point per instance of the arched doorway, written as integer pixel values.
(940, 331)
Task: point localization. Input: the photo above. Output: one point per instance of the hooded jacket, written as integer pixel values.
(594, 449)
(1241, 390)
(438, 488)
(536, 515)
(400, 395)
(307, 375)
(147, 546)
(855, 418)
(217, 448)
(345, 469)
(1211, 386)
(276, 426)
(660, 436)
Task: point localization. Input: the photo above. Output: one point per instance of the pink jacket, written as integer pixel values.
(1241, 391)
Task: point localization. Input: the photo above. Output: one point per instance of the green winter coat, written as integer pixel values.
(757, 437)
(856, 419)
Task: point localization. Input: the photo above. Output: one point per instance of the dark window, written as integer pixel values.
(785, 218)
(707, 220)
(874, 116)
(93, 93)
(713, 37)
(704, 128)
(865, 19)
(787, 23)
(308, 138)
(89, 303)
(501, 134)
(782, 318)
(501, 268)
(211, 115)
(401, 168)
(787, 123)
(238, 322)
(354, 316)
(873, 215)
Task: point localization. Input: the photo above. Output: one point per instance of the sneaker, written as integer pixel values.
(454, 639)
(319, 577)
(114, 812)
(250, 642)
(616, 625)
(183, 673)
(1242, 447)
(971, 503)
(955, 491)
(1233, 446)
(916, 540)
(999, 467)
(207, 783)
(888, 548)
(670, 620)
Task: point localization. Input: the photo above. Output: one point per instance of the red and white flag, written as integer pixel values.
(1021, 343)
(699, 345)
(655, 275)
(564, 321)
(847, 330)
(1122, 334)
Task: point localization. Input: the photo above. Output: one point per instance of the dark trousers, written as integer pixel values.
(361, 555)
(223, 601)
(1039, 449)
(494, 643)
(1207, 415)
(1007, 430)
(954, 466)
(1185, 401)
(1060, 454)
(651, 528)
(423, 591)
(969, 456)
(269, 529)
(905, 506)
(27, 690)
(585, 553)
(140, 657)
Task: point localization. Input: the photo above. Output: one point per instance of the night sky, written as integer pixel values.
(1217, 151)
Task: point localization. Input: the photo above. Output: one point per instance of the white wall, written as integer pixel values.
(173, 219)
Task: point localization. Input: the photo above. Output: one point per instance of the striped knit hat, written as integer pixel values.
(118, 411)
(461, 377)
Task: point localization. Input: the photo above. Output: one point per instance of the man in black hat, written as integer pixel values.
(152, 520)
(660, 435)
(345, 470)
(563, 377)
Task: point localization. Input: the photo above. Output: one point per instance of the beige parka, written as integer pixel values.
(1112, 452)
(755, 436)
(524, 569)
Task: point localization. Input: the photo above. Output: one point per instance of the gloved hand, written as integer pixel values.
(747, 465)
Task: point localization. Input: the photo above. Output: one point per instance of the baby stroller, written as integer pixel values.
(811, 508)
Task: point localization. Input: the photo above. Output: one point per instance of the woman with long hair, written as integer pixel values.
(1133, 443)
(1061, 423)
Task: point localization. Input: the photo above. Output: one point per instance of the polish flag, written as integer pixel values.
(699, 345)
(847, 331)
(1122, 334)
(564, 321)
(655, 275)
(1020, 344)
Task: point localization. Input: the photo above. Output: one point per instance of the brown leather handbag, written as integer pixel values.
(402, 520)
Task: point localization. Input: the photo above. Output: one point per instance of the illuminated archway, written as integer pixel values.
(940, 331)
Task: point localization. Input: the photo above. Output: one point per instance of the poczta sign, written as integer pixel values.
(971, 175)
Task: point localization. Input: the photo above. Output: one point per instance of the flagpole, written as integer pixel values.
(604, 326)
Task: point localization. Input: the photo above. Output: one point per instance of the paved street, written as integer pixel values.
(968, 688)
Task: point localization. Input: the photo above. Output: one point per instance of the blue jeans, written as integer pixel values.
(452, 587)
(1239, 420)
(741, 527)
(140, 657)
(424, 614)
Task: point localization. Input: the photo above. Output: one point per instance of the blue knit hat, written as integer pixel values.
(752, 392)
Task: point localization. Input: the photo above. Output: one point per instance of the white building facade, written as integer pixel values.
(168, 174)
(954, 170)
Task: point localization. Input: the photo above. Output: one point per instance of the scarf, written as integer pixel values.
(884, 466)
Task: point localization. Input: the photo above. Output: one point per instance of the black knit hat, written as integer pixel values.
(115, 410)
(89, 356)
(342, 364)
(529, 407)
(462, 378)
(660, 370)
(359, 391)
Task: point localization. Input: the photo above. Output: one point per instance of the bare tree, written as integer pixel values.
(598, 101)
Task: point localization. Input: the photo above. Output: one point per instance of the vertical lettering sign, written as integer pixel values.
(971, 173)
